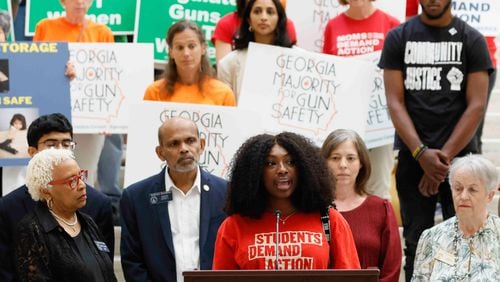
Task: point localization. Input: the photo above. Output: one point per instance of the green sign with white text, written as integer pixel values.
(118, 15)
(156, 16)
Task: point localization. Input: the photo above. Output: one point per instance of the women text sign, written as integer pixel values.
(109, 78)
(306, 92)
(118, 15)
(223, 128)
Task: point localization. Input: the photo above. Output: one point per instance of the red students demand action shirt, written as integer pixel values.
(247, 243)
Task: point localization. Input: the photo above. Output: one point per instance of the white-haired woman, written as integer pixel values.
(465, 247)
(55, 242)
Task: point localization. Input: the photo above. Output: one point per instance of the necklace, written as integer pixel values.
(456, 241)
(283, 220)
(70, 224)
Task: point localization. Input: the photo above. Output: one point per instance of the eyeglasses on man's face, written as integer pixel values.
(54, 143)
(74, 180)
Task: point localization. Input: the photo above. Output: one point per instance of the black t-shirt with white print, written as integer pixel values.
(435, 62)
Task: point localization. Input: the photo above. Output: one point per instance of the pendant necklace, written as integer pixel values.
(456, 244)
(283, 220)
(69, 224)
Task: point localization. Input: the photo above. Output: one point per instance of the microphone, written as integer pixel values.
(278, 214)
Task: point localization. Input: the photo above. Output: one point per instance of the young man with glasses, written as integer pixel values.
(49, 131)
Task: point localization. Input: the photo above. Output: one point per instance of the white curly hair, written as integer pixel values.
(40, 169)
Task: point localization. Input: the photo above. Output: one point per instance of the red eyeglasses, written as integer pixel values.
(73, 181)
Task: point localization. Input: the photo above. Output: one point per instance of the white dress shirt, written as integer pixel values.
(184, 215)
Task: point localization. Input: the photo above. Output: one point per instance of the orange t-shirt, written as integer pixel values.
(59, 29)
(215, 92)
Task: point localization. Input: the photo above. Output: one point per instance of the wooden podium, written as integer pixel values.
(361, 275)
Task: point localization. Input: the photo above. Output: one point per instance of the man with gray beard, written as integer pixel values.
(170, 220)
(436, 80)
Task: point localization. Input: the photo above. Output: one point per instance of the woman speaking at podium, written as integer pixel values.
(279, 210)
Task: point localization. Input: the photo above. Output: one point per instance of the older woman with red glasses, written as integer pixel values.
(55, 241)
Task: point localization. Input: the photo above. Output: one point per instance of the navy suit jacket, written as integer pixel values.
(147, 250)
(15, 205)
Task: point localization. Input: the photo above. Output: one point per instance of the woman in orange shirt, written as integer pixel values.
(188, 75)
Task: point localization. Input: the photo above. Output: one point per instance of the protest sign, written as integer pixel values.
(223, 128)
(118, 15)
(480, 14)
(306, 92)
(156, 16)
(311, 16)
(379, 127)
(109, 78)
(32, 83)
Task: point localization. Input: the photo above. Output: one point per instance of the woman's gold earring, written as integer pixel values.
(50, 203)
(250, 28)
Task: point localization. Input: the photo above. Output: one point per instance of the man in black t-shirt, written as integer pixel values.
(436, 80)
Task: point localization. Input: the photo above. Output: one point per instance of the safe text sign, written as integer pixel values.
(32, 83)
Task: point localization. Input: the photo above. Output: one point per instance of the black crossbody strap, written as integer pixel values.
(325, 221)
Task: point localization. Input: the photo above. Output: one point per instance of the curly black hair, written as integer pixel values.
(247, 195)
(244, 36)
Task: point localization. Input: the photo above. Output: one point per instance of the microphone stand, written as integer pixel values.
(278, 214)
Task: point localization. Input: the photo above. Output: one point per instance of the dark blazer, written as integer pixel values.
(45, 252)
(15, 205)
(147, 251)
